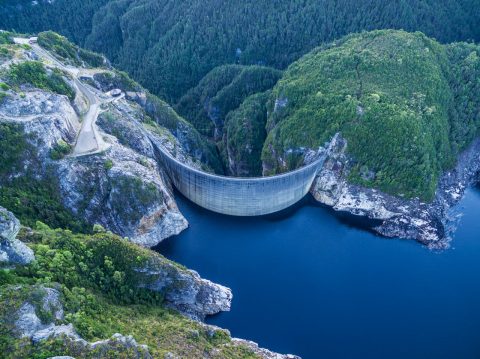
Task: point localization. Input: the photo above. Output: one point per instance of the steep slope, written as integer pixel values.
(244, 135)
(397, 98)
(73, 294)
(169, 45)
(402, 114)
(44, 174)
(222, 90)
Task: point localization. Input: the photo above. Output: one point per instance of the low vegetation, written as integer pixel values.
(34, 73)
(6, 37)
(60, 150)
(98, 282)
(67, 52)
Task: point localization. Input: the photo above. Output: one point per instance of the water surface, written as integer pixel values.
(310, 283)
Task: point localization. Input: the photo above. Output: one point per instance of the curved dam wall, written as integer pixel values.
(240, 196)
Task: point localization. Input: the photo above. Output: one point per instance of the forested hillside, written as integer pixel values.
(169, 45)
(222, 90)
(405, 103)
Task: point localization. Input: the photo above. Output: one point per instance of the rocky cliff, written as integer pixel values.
(93, 287)
(429, 223)
(121, 188)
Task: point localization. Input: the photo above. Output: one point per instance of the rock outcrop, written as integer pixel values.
(12, 251)
(261, 352)
(124, 192)
(428, 223)
(185, 290)
(121, 189)
(184, 141)
(29, 325)
(130, 124)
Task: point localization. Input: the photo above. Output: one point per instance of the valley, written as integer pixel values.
(317, 161)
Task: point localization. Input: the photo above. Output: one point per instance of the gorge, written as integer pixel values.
(301, 174)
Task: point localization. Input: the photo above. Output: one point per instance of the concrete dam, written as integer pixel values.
(240, 196)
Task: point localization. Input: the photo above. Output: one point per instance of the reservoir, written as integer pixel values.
(316, 284)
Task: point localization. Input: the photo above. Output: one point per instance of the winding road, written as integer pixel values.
(89, 140)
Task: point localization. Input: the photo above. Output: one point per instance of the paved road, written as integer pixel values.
(89, 139)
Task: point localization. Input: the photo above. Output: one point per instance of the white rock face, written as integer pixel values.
(65, 330)
(9, 225)
(157, 229)
(124, 192)
(264, 353)
(12, 251)
(30, 326)
(123, 189)
(185, 290)
(119, 340)
(48, 116)
(426, 222)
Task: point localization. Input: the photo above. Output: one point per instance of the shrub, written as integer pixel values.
(6, 38)
(108, 164)
(66, 51)
(34, 73)
(60, 150)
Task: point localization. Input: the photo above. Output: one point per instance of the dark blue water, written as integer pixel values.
(308, 283)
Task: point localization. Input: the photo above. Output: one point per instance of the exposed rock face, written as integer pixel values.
(124, 192)
(212, 330)
(120, 189)
(428, 223)
(48, 116)
(264, 353)
(12, 251)
(186, 141)
(9, 225)
(127, 122)
(120, 343)
(29, 325)
(185, 290)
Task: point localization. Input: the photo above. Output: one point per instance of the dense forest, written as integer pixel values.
(222, 90)
(405, 103)
(169, 45)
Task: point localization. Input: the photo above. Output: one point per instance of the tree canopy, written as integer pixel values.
(169, 45)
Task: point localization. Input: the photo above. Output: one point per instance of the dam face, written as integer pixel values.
(240, 196)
